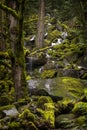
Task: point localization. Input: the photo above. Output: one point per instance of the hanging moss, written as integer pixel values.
(9, 10)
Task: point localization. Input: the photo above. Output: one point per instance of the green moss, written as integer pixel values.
(63, 26)
(47, 42)
(48, 113)
(6, 64)
(4, 55)
(69, 51)
(84, 96)
(26, 51)
(84, 76)
(46, 109)
(50, 28)
(27, 115)
(28, 77)
(23, 101)
(64, 106)
(53, 35)
(6, 92)
(14, 125)
(30, 126)
(80, 108)
(48, 74)
(9, 10)
(11, 94)
(4, 100)
(81, 120)
(74, 86)
(6, 107)
(24, 85)
(11, 55)
(42, 100)
(20, 60)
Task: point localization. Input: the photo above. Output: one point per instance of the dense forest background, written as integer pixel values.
(43, 39)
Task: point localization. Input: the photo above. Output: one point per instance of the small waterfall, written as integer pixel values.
(29, 65)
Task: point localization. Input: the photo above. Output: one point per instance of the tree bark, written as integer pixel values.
(40, 28)
(15, 10)
(2, 30)
(16, 28)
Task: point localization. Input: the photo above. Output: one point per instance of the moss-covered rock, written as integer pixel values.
(80, 108)
(48, 113)
(69, 87)
(42, 100)
(27, 120)
(48, 74)
(64, 106)
(27, 115)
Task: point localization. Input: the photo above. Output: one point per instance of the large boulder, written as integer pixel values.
(59, 86)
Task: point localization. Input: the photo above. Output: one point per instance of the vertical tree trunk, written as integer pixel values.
(16, 28)
(2, 37)
(40, 29)
(16, 11)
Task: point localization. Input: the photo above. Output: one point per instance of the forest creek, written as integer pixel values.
(43, 65)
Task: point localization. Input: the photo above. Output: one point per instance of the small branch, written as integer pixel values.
(40, 50)
(9, 10)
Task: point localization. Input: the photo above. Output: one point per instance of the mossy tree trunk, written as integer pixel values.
(2, 29)
(40, 28)
(16, 10)
(16, 28)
